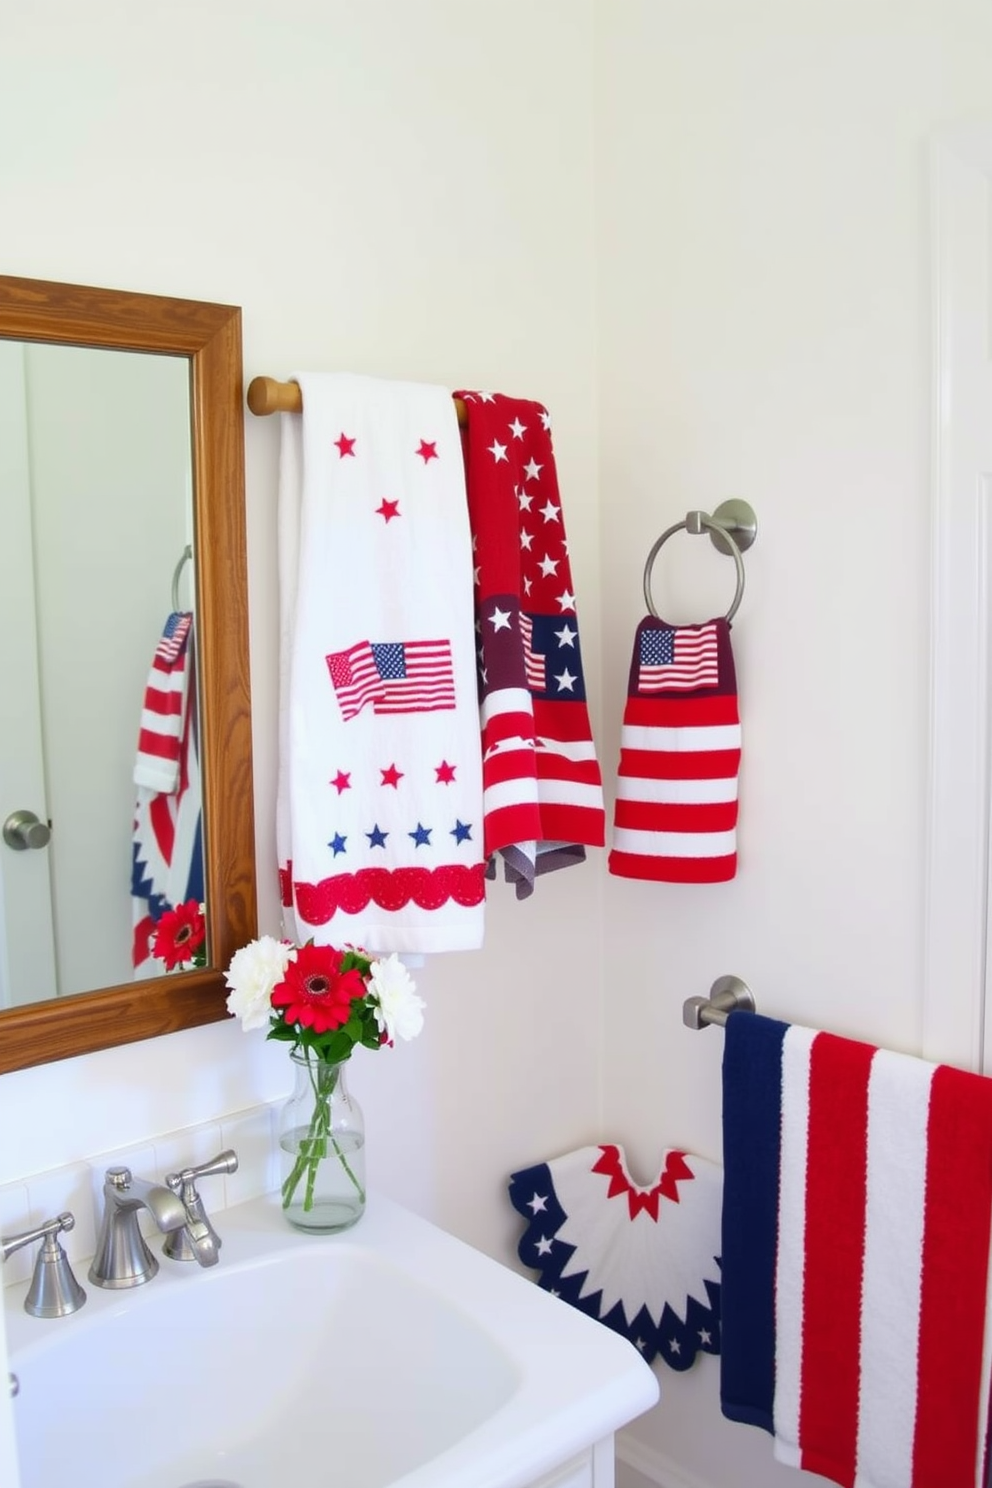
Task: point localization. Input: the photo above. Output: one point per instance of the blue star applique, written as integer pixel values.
(337, 844)
(377, 837)
(461, 832)
(422, 836)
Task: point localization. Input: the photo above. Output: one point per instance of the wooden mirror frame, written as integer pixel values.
(210, 337)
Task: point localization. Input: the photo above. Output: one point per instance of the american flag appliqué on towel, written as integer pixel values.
(675, 818)
(543, 799)
(855, 1254)
(396, 677)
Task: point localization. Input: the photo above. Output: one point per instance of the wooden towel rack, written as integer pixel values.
(268, 395)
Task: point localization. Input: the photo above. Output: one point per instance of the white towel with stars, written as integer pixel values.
(379, 810)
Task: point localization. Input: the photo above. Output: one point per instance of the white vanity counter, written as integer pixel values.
(392, 1354)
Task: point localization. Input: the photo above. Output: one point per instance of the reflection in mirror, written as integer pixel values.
(97, 511)
(121, 437)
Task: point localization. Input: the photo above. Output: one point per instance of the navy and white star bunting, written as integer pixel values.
(641, 1260)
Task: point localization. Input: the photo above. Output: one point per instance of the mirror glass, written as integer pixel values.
(125, 754)
(95, 524)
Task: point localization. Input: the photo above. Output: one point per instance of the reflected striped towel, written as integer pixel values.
(675, 818)
(167, 834)
(163, 710)
(855, 1253)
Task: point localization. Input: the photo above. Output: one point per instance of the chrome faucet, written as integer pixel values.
(122, 1258)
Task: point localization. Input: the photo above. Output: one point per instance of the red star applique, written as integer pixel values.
(342, 781)
(445, 773)
(638, 1199)
(345, 446)
(392, 776)
(427, 451)
(388, 510)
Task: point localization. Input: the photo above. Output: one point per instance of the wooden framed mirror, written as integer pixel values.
(207, 339)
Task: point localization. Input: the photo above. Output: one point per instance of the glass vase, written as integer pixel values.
(322, 1148)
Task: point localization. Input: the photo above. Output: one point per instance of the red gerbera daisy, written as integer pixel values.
(179, 933)
(315, 992)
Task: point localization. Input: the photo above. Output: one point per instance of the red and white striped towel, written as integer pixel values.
(166, 843)
(164, 707)
(543, 798)
(675, 818)
(886, 1190)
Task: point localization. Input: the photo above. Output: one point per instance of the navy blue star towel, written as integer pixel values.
(642, 1260)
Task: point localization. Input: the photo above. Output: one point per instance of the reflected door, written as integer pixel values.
(102, 472)
(27, 944)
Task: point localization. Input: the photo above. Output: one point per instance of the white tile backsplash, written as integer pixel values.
(78, 1187)
(252, 1135)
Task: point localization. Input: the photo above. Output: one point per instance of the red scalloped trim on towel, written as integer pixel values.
(392, 889)
(286, 886)
(676, 1169)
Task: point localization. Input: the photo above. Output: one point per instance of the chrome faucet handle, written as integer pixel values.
(54, 1291)
(197, 1240)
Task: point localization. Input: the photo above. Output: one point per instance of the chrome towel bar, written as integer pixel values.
(728, 994)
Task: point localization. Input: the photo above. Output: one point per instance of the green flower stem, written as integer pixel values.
(313, 1147)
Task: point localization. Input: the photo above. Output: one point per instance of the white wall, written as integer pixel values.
(764, 312)
(402, 189)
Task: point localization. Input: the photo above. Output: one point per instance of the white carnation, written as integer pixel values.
(399, 1011)
(254, 971)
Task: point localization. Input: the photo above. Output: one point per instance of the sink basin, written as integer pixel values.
(389, 1355)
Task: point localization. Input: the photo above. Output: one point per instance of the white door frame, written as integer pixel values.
(957, 950)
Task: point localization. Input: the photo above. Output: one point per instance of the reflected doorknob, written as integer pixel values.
(22, 830)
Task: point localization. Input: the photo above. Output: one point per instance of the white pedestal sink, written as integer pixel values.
(390, 1355)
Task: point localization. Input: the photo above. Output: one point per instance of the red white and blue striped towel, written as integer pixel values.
(855, 1254)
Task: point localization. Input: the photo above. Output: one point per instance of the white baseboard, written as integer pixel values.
(654, 1465)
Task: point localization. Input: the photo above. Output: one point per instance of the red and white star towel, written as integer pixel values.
(543, 790)
(379, 811)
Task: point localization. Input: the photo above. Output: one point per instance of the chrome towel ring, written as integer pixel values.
(732, 529)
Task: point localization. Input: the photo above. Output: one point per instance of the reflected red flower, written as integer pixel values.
(315, 992)
(179, 934)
